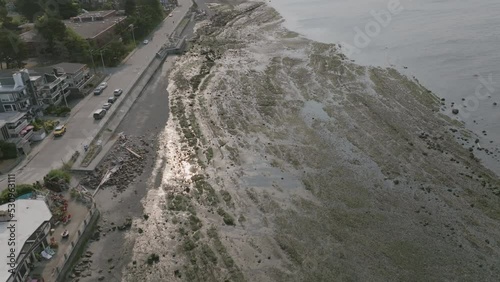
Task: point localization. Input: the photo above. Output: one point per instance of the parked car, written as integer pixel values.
(98, 91)
(103, 85)
(59, 130)
(145, 41)
(117, 92)
(107, 106)
(99, 114)
(112, 99)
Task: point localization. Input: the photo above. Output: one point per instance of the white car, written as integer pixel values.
(117, 92)
(171, 15)
(145, 41)
(103, 85)
(107, 106)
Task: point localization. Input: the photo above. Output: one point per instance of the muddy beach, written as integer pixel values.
(282, 160)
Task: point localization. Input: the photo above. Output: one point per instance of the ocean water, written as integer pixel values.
(451, 46)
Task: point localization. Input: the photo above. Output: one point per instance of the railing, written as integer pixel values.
(18, 128)
(58, 270)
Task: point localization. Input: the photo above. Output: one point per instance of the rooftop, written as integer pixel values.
(30, 214)
(70, 68)
(7, 85)
(8, 117)
(89, 30)
(94, 14)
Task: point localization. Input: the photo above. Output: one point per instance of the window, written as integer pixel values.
(10, 107)
(7, 98)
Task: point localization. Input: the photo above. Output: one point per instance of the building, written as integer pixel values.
(15, 128)
(16, 92)
(76, 74)
(29, 229)
(97, 26)
(34, 41)
(50, 84)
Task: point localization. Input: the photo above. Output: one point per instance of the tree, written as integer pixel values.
(129, 7)
(114, 52)
(63, 9)
(68, 8)
(78, 47)
(28, 8)
(5, 20)
(51, 29)
(12, 49)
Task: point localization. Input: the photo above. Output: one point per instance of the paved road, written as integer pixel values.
(81, 125)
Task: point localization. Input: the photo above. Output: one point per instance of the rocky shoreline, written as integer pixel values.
(285, 161)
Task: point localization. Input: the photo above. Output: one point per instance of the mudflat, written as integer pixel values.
(282, 160)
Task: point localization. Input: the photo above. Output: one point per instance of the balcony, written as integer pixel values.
(27, 132)
(15, 128)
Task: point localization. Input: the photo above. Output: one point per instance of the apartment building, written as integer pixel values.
(32, 227)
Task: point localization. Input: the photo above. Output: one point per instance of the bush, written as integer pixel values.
(7, 150)
(21, 189)
(57, 174)
(57, 110)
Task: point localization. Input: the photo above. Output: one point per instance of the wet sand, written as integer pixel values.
(284, 161)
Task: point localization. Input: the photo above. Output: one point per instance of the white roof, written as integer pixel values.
(30, 214)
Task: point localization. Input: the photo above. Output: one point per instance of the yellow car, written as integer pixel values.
(59, 130)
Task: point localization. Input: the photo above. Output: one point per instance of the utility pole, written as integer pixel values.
(131, 26)
(102, 60)
(92, 58)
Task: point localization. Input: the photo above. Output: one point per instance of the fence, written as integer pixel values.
(76, 243)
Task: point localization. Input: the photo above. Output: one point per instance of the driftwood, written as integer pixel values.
(134, 153)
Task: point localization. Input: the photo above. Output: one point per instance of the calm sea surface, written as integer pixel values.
(451, 46)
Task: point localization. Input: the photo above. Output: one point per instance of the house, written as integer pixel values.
(15, 128)
(76, 74)
(34, 41)
(51, 85)
(97, 26)
(28, 230)
(16, 93)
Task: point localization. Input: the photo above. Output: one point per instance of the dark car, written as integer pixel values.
(111, 99)
(98, 91)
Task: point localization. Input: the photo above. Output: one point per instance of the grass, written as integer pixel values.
(91, 154)
(234, 272)
(209, 154)
(179, 202)
(228, 219)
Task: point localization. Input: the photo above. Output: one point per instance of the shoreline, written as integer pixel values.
(477, 107)
(264, 174)
(263, 161)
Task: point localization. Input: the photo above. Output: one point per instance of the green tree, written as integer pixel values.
(12, 49)
(28, 8)
(77, 47)
(63, 9)
(114, 52)
(51, 29)
(68, 8)
(129, 7)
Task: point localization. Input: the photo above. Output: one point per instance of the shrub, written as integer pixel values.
(7, 150)
(21, 189)
(57, 174)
